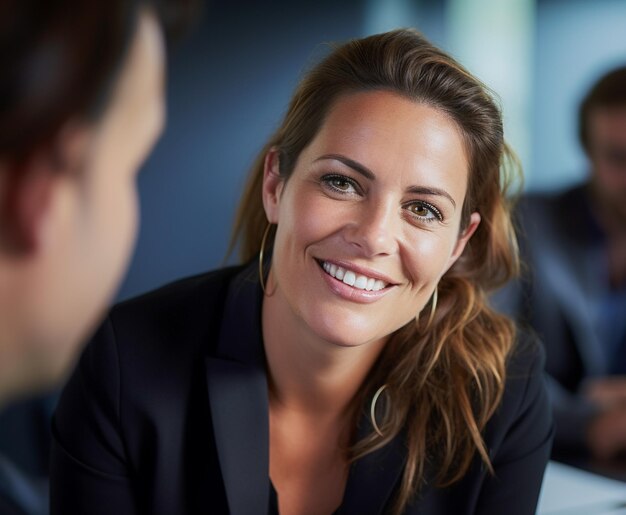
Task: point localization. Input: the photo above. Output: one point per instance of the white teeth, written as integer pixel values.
(360, 282)
(349, 278)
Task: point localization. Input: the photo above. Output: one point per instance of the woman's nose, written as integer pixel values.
(374, 229)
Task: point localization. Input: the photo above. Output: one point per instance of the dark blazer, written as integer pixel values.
(167, 413)
(565, 255)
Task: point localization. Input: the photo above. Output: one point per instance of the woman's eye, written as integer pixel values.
(424, 211)
(340, 184)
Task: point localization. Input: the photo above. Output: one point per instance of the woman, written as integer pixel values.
(358, 369)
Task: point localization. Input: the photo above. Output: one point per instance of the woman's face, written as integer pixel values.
(369, 220)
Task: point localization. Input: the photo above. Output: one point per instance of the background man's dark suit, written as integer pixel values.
(565, 259)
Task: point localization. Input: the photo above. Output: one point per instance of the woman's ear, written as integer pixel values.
(272, 185)
(464, 237)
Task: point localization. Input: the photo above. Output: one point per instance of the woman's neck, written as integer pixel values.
(307, 373)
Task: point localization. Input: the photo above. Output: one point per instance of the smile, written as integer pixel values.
(358, 281)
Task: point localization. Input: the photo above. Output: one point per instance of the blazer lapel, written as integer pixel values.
(373, 478)
(238, 397)
(237, 388)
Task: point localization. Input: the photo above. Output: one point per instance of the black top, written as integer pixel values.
(167, 413)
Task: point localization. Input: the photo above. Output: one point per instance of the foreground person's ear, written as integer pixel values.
(31, 188)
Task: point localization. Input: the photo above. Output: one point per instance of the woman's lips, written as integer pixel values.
(351, 278)
(351, 285)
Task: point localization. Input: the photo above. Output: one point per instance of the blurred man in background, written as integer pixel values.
(574, 292)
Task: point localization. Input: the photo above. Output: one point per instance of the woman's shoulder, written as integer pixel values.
(205, 284)
(523, 421)
(524, 373)
(171, 324)
(181, 301)
(526, 358)
(167, 329)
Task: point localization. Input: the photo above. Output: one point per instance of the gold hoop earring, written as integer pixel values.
(433, 306)
(261, 253)
(373, 409)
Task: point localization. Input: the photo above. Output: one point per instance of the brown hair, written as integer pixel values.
(608, 91)
(443, 381)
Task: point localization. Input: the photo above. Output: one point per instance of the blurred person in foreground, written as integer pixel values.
(352, 364)
(574, 292)
(81, 105)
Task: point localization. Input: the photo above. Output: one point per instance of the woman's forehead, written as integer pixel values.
(394, 136)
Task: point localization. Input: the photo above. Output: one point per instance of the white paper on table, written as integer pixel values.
(571, 491)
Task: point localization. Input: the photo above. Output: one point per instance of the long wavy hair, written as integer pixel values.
(444, 379)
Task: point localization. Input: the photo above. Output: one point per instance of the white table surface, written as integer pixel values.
(570, 491)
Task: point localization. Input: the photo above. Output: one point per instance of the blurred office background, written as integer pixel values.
(230, 81)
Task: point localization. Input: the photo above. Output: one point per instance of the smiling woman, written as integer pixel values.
(389, 160)
(353, 365)
(373, 194)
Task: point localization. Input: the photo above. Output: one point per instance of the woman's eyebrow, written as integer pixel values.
(426, 190)
(357, 167)
(367, 173)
